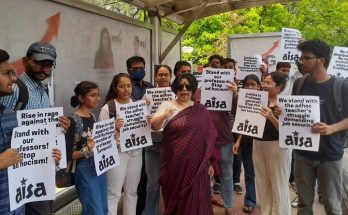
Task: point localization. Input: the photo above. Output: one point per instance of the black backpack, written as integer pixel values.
(23, 96)
(337, 93)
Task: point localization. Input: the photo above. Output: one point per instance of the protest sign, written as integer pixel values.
(45, 116)
(288, 48)
(249, 65)
(248, 120)
(136, 133)
(339, 62)
(105, 150)
(33, 179)
(157, 96)
(215, 94)
(298, 115)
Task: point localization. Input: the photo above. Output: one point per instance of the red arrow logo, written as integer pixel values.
(51, 32)
(268, 52)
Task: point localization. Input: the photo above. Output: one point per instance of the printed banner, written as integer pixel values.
(105, 150)
(33, 179)
(249, 65)
(248, 120)
(157, 96)
(289, 42)
(339, 62)
(136, 133)
(45, 116)
(298, 115)
(214, 92)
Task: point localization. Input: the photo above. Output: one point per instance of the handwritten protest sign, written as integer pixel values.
(136, 133)
(45, 116)
(105, 150)
(339, 62)
(298, 115)
(289, 42)
(215, 95)
(33, 179)
(157, 96)
(249, 65)
(248, 119)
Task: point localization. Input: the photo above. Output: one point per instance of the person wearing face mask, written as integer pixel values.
(136, 70)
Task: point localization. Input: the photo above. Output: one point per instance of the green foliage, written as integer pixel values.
(325, 19)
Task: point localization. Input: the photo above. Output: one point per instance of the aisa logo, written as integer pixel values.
(213, 103)
(296, 140)
(246, 127)
(31, 190)
(106, 162)
(135, 141)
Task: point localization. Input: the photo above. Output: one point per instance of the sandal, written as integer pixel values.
(248, 209)
(217, 202)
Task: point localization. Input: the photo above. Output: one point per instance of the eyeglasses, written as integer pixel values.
(306, 58)
(163, 75)
(182, 86)
(43, 64)
(9, 73)
(268, 83)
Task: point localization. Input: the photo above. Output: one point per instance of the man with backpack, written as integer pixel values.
(30, 93)
(326, 164)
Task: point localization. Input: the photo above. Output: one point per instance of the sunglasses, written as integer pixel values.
(187, 87)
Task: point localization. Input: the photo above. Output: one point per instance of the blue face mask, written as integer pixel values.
(137, 75)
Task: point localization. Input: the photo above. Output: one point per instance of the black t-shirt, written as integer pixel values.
(330, 147)
(270, 132)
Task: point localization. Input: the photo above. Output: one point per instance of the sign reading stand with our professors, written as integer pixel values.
(215, 94)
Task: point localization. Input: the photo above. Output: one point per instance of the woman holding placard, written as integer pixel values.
(127, 174)
(91, 189)
(272, 163)
(244, 146)
(163, 74)
(188, 141)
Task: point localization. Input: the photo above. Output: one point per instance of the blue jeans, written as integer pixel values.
(91, 188)
(152, 166)
(226, 175)
(249, 176)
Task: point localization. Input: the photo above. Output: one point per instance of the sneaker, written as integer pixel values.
(216, 188)
(238, 189)
(294, 202)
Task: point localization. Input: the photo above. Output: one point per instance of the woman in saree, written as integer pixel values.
(188, 140)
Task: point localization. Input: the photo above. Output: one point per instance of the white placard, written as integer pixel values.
(339, 62)
(105, 150)
(136, 132)
(157, 96)
(298, 115)
(45, 116)
(249, 65)
(215, 94)
(33, 179)
(248, 120)
(289, 42)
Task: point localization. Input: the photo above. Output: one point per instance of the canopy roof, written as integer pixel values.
(182, 11)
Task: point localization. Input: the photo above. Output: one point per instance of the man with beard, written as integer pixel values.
(39, 64)
(8, 156)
